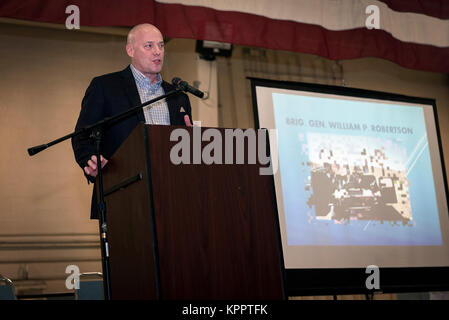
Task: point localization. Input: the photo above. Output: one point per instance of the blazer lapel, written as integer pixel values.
(131, 91)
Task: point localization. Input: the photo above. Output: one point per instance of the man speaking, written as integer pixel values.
(113, 93)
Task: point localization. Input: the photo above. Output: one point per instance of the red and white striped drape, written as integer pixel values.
(412, 33)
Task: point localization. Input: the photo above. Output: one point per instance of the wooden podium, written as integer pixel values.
(189, 231)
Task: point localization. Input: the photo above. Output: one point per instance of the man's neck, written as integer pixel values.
(151, 76)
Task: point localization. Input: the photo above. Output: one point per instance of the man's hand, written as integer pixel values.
(187, 121)
(91, 168)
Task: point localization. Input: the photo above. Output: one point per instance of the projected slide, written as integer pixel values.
(355, 173)
(360, 179)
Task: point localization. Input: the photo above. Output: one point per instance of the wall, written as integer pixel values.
(44, 199)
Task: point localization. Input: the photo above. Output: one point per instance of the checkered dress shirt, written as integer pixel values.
(156, 113)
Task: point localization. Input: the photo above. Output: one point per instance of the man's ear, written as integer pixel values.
(130, 50)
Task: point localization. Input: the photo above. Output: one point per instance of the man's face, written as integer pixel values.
(147, 51)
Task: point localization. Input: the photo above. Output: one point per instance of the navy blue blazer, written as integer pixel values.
(108, 95)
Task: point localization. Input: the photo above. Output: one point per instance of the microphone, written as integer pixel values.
(184, 86)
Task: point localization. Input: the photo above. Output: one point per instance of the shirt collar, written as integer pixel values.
(144, 83)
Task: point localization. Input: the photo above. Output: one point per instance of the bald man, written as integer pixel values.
(114, 93)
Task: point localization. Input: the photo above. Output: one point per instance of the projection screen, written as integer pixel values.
(360, 182)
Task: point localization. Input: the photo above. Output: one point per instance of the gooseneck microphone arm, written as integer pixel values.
(106, 122)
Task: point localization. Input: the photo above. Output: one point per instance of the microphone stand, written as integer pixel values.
(97, 129)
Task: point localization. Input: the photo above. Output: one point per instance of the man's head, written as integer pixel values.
(145, 47)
